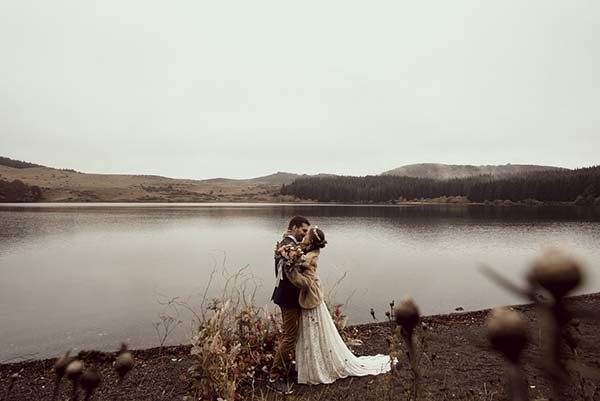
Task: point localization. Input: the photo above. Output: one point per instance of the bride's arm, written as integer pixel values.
(303, 275)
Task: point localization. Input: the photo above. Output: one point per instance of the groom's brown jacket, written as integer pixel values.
(306, 277)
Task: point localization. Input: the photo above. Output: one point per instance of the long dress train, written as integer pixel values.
(323, 357)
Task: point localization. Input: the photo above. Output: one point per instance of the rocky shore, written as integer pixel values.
(456, 364)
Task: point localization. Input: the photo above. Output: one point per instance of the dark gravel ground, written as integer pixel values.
(455, 361)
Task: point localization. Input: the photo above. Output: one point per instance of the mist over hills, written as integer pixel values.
(438, 171)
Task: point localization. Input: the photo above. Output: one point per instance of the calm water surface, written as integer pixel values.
(93, 275)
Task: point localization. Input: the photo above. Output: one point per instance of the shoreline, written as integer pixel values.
(480, 313)
(258, 202)
(462, 364)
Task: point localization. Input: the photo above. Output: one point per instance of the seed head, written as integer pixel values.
(74, 370)
(557, 272)
(124, 362)
(507, 332)
(407, 314)
(61, 365)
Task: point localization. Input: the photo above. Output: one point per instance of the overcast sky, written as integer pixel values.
(203, 89)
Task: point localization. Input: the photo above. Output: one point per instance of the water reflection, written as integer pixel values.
(91, 275)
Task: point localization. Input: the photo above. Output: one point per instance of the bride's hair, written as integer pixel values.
(317, 239)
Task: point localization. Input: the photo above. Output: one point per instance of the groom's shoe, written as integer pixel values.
(280, 386)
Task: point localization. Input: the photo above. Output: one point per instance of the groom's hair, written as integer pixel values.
(297, 221)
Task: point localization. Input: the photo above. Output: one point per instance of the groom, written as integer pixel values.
(286, 296)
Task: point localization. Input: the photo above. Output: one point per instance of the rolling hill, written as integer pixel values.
(68, 185)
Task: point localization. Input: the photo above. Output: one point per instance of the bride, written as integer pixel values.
(321, 354)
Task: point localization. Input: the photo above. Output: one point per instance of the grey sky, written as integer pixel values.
(201, 89)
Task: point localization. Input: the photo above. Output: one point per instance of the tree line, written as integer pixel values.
(5, 161)
(581, 186)
(18, 191)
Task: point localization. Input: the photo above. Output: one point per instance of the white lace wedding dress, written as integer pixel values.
(323, 357)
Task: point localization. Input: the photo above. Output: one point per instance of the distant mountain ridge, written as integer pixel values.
(283, 178)
(450, 171)
(278, 178)
(70, 185)
(419, 170)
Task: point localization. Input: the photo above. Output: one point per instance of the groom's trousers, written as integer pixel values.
(283, 357)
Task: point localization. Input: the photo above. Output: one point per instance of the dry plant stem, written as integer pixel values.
(412, 358)
(508, 285)
(174, 303)
(517, 383)
(203, 303)
(391, 382)
(164, 328)
(557, 319)
(395, 354)
(333, 288)
(75, 395)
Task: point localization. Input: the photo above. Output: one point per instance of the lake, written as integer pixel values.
(76, 276)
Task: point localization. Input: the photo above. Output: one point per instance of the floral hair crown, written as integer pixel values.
(316, 233)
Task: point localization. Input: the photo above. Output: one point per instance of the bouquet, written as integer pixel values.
(293, 253)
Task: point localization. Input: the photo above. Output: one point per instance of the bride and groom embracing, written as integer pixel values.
(308, 328)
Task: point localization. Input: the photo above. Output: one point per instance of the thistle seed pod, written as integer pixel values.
(90, 380)
(61, 365)
(507, 332)
(74, 370)
(124, 362)
(407, 314)
(556, 272)
(73, 373)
